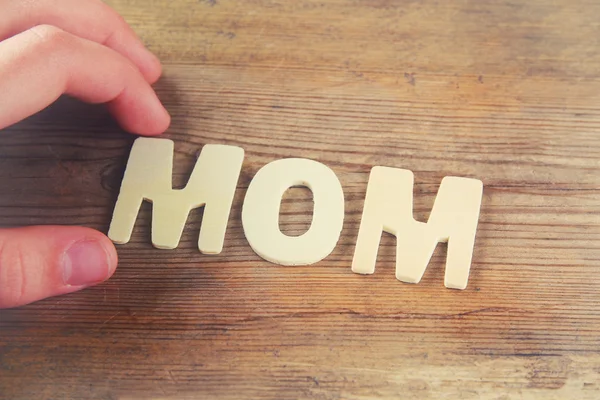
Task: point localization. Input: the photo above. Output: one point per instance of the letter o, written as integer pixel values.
(260, 212)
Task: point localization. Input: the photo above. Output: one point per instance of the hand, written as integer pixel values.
(84, 49)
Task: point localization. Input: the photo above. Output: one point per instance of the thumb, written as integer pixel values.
(45, 261)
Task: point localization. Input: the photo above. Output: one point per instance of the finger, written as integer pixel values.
(41, 64)
(88, 19)
(41, 262)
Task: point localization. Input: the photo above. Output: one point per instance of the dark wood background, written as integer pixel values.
(506, 92)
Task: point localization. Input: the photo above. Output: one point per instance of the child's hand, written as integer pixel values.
(84, 49)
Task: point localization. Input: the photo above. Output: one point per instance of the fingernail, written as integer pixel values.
(85, 263)
(152, 67)
(152, 57)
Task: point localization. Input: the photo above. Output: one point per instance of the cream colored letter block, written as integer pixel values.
(260, 214)
(149, 177)
(389, 207)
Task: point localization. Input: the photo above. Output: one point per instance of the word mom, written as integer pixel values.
(388, 208)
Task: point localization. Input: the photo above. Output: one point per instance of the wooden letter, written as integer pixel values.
(260, 214)
(149, 177)
(389, 207)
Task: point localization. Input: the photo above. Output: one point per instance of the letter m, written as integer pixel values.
(148, 176)
(389, 208)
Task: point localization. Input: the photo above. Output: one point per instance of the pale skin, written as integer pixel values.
(84, 49)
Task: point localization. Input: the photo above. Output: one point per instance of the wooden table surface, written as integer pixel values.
(508, 93)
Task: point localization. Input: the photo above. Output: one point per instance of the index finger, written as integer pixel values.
(41, 64)
(88, 19)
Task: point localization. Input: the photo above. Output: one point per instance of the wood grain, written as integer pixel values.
(507, 93)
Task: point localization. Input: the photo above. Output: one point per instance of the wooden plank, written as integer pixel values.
(506, 93)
